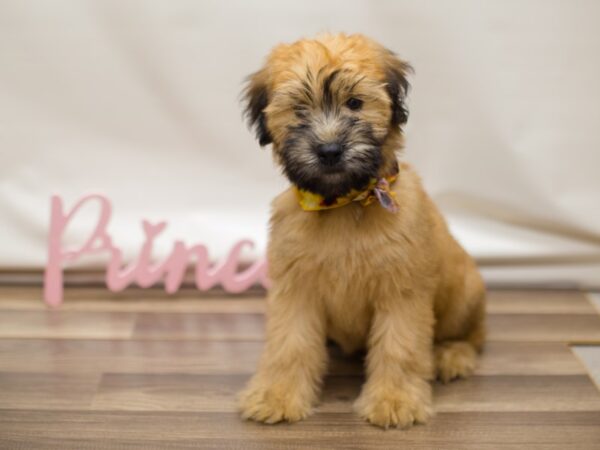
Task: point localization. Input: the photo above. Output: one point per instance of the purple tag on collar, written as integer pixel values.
(382, 192)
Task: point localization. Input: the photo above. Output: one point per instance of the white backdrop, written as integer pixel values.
(140, 101)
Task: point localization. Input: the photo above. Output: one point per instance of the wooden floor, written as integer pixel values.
(142, 370)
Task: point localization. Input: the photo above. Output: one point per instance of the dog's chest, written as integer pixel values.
(343, 261)
(345, 246)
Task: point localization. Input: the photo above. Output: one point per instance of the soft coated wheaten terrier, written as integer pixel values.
(358, 252)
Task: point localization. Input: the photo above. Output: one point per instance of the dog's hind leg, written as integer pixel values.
(454, 359)
(460, 326)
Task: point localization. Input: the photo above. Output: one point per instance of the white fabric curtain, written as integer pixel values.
(140, 101)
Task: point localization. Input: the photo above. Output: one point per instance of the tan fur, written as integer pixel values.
(397, 284)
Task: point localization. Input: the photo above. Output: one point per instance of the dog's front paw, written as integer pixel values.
(395, 407)
(273, 403)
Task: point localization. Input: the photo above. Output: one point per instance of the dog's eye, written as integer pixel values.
(354, 103)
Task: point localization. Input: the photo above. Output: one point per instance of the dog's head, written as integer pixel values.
(333, 108)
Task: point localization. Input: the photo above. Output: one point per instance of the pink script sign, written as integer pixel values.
(142, 271)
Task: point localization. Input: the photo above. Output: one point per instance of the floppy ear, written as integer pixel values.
(256, 98)
(397, 87)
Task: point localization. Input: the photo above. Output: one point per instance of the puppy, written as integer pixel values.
(358, 253)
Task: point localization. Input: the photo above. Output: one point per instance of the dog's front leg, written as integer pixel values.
(291, 368)
(399, 364)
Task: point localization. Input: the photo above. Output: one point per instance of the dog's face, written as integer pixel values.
(332, 108)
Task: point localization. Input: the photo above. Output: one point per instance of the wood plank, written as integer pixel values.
(200, 326)
(212, 393)
(594, 299)
(502, 327)
(86, 292)
(538, 302)
(214, 357)
(65, 324)
(124, 356)
(196, 326)
(47, 391)
(514, 393)
(179, 304)
(498, 358)
(528, 358)
(216, 301)
(135, 300)
(175, 383)
(168, 392)
(544, 327)
(486, 393)
(143, 430)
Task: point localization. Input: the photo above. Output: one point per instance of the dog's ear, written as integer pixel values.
(256, 99)
(397, 87)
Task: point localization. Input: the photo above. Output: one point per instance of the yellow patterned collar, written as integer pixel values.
(378, 189)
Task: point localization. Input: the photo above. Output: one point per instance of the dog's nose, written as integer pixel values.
(330, 153)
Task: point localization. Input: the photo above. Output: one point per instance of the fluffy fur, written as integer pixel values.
(397, 285)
